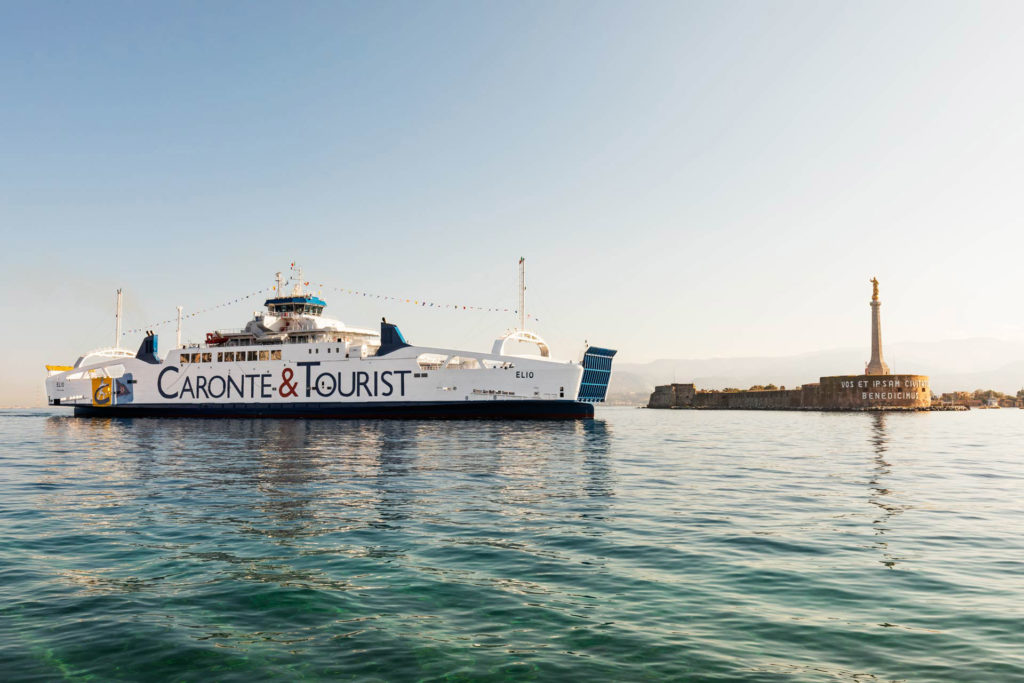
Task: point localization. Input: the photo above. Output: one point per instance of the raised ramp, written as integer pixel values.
(597, 371)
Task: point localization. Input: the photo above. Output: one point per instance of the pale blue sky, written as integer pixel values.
(686, 179)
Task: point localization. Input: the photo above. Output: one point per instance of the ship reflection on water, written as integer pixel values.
(266, 498)
(672, 545)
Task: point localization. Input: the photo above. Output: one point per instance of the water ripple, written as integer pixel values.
(645, 545)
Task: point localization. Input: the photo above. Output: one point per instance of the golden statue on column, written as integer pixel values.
(877, 365)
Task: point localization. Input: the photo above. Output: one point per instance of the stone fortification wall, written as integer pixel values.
(686, 396)
(777, 399)
(672, 396)
(847, 392)
(875, 392)
(809, 394)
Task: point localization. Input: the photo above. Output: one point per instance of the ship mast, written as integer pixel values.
(521, 334)
(117, 322)
(522, 293)
(178, 346)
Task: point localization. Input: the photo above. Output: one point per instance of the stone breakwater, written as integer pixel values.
(844, 392)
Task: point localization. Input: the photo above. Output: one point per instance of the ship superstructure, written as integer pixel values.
(292, 361)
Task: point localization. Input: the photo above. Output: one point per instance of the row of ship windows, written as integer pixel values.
(295, 308)
(237, 356)
(231, 356)
(355, 349)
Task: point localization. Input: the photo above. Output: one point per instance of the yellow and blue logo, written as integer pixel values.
(102, 391)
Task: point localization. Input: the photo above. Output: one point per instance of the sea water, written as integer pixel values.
(641, 545)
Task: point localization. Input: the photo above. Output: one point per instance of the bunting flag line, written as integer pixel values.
(414, 301)
(198, 312)
(423, 303)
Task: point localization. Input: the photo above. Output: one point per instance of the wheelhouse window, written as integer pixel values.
(302, 307)
(252, 355)
(183, 358)
(264, 355)
(275, 354)
(229, 356)
(208, 357)
(194, 358)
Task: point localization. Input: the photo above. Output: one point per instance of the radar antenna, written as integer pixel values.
(297, 290)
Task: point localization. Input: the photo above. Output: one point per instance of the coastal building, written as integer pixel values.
(978, 399)
(877, 389)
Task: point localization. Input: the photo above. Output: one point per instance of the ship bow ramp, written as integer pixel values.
(597, 371)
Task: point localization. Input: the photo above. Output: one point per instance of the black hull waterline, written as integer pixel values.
(510, 410)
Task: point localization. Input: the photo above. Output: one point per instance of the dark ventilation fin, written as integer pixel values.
(391, 338)
(147, 350)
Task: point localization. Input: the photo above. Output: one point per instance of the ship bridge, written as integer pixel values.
(305, 304)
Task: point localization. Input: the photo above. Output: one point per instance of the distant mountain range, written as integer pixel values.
(952, 365)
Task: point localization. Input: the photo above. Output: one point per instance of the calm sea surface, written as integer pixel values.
(644, 545)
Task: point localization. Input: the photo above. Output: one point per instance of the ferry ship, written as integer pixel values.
(291, 360)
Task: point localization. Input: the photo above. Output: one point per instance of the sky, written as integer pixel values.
(685, 179)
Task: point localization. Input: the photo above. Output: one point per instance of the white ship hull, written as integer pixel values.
(325, 380)
(291, 361)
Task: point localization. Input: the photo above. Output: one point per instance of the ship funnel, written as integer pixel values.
(147, 350)
(391, 338)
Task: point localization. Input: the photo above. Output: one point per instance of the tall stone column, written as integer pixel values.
(876, 366)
